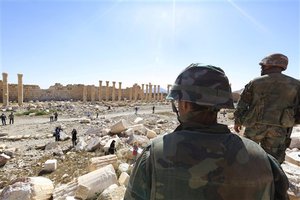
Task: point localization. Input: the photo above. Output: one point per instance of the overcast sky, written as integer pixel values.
(142, 41)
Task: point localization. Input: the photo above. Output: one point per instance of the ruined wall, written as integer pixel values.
(76, 92)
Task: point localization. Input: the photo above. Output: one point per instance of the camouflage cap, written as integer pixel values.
(205, 85)
(275, 60)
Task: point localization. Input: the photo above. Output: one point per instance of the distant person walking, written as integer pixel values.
(55, 116)
(153, 109)
(136, 109)
(11, 118)
(3, 119)
(74, 137)
(112, 148)
(51, 118)
(57, 133)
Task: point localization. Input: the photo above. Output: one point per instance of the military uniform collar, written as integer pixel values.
(215, 128)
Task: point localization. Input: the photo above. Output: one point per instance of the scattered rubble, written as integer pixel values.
(34, 166)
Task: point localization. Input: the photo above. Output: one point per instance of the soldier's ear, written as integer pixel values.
(184, 106)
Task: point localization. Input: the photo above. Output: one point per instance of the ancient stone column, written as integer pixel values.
(135, 89)
(93, 94)
(84, 94)
(120, 91)
(154, 93)
(142, 92)
(20, 89)
(5, 89)
(150, 92)
(168, 86)
(100, 91)
(158, 93)
(146, 93)
(130, 94)
(107, 91)
(114, 91)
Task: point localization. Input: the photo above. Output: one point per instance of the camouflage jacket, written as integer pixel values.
(208, 163)
(272, 99)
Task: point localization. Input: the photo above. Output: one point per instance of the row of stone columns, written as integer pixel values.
(152, 92)
(135, 92)
(5, 91)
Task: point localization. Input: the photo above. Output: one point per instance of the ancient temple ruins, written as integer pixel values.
(87, 93)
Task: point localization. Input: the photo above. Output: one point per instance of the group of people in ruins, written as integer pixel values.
(11, 118)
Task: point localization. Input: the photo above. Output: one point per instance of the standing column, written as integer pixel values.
(107, 91)
(130, 94)
(120, 91)
(135, 92)
(158, 93)
(168, 88)
(100, 91)
(5, 89)
(143, 92)
(154, 93)
(84, 94)
(150, 92)
(20, 89)
(93, 94)
(146, 93)
(114, 91)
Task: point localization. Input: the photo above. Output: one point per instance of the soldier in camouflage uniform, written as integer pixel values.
(202, 159)
(268, 106)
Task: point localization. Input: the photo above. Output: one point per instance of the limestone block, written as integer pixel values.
(3, 159)
(38, 188)
(120, 126)
(98, 162)
(113, 192)
(129, 131)
(14, 137)
(98, 180)
(293, 173)
(82, 192)
(293, 157)
(295, 139)
(124, 179)
(63, 191)
(42, 188)
(64, 136)
(26, 136)
(81, 145)
(50, 165)
(106, 194)
(138, 120)
(40, 146)
(139, 128)
(93, 144)
(151, 134)
(123, 167)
